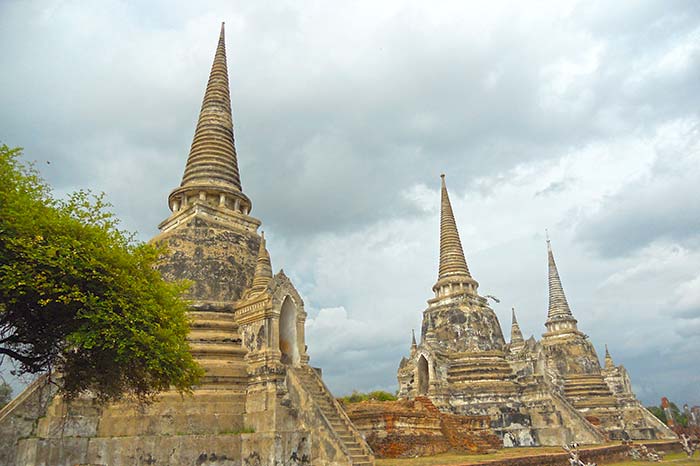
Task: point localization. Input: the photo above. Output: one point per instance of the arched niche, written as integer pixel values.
(423, 375)
(289, 346)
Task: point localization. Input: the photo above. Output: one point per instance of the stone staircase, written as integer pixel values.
(359, 452)
(217, 346)
(587, 391)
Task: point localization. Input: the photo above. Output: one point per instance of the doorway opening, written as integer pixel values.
(423, 376)
(288, 332)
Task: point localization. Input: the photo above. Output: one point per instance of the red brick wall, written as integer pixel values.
(396, 429)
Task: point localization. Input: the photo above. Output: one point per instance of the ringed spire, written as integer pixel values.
(453, 268)
(558, 305)
(559, 316)
(263, 267)
(211, 173)
(609, 364)
(516, 335)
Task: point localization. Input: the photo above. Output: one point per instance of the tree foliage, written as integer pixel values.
(679, 417)
(357, 397)
(658, 411)
(81, 298)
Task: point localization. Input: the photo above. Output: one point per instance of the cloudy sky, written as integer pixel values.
(579, 117)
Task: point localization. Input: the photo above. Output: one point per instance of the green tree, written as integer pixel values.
(81, 298)
(678, 415)
(5, 393)
(658, 412)
(357, 397)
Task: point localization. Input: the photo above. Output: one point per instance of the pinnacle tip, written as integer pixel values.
(442, 175)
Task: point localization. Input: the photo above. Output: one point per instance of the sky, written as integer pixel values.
(581, 118)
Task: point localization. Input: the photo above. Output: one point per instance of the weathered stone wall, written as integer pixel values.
(174, 430)
(571, 355)
(554, 420)
(463, 323)
(219, 261)
(300, 412)
(18, 419)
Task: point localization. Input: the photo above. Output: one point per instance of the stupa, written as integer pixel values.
(260, 402)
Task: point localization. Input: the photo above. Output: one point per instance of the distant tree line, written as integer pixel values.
(679, 417)
(378, 395)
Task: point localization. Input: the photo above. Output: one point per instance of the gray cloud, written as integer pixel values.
(579, 117)
(656, 207)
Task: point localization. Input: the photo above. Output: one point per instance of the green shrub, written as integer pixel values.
(357, 397)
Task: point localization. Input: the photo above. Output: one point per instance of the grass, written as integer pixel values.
(460, 458)
(676, 459)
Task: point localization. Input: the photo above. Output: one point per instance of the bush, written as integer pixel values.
(378, 395)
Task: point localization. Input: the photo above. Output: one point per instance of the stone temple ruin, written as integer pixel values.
(547, 392)
(260, 403)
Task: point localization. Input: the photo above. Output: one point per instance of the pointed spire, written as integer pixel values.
(452, 261)
(453, 265)
(516, 336)
(211, 171)
(558, 305)
(263, 267)
(609, 364)
(413, 339)
(212, 157)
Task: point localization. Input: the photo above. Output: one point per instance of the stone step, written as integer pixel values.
(212, 316)
(202, 349)
(220, 324)
(362, 460)
(224, 366)
(214, 334)
(327, 405)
